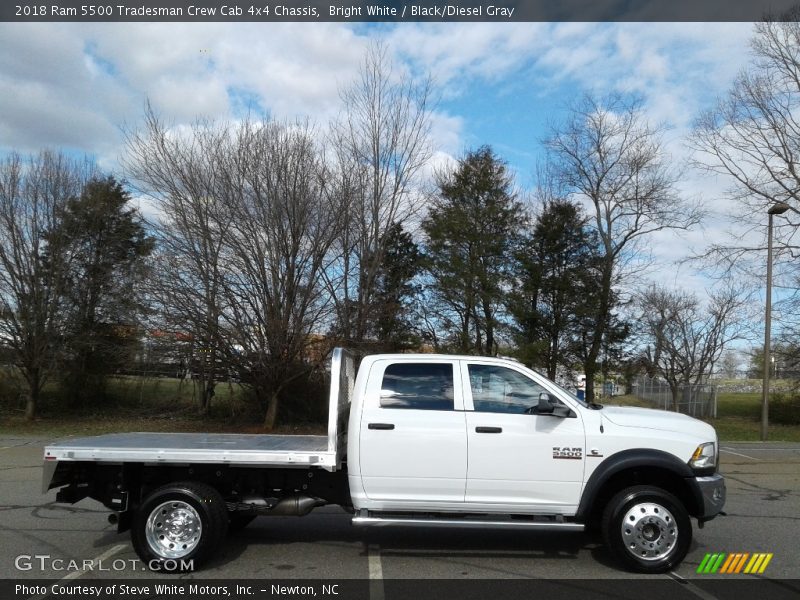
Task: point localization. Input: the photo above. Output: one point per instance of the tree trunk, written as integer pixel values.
(30, 406)
(675, 399)
(272, 413)
(465, 331)
(208, 393)
(552, 362)
(34, 387)
(78, 381)
(601, 322)
(487, 314)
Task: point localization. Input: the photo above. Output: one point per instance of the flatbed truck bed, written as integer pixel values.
(182, 450)
(178, 448)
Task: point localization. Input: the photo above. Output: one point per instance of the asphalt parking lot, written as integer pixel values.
(763, 516)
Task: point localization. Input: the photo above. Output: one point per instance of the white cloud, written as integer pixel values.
(73, 85)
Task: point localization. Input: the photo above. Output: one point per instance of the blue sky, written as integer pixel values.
(73, 85)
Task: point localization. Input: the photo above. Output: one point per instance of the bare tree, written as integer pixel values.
(686, 339)
(752, 138)
(180, 170)
(730, 364)
(248, 217)
(285, 221)
(607, 155)
(381, 144)
(33, 194)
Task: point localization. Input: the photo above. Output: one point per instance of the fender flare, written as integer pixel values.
(630, 459)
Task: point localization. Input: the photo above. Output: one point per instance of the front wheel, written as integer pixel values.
(647, 529)
(178, 526)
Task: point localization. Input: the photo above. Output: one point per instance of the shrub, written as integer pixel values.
(10, 389)
(785, 408)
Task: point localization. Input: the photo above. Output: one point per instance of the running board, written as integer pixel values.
(468, 523)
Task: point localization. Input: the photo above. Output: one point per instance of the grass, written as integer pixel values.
(738, 418)
(625, 401)
(145, 404)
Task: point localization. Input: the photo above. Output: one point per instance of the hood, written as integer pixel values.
(650, 418)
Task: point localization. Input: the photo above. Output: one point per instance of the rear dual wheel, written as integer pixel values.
(179, 526)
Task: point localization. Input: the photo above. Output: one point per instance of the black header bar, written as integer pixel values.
(499, 11)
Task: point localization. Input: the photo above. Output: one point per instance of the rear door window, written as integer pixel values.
(420, 386)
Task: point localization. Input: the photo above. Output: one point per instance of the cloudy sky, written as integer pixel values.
(73, 86)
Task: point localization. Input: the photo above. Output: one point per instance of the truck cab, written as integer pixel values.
(450, 434)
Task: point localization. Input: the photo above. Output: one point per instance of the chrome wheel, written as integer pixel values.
(649, 531)
(173, 529)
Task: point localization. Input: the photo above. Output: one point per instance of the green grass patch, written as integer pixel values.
(738, 417)
(739, 420)
(143, 404)
(744, 405)
(627, 400)
(737, 429)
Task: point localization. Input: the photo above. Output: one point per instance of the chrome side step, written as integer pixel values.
(361, 521)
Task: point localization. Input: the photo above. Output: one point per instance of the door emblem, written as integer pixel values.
(565, 452)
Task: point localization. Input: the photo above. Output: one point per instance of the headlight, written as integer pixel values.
(705, 456)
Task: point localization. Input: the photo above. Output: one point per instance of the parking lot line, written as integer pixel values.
(75, 574)
(375, 573)
(729, 451)
(107, 554)
(699, 592)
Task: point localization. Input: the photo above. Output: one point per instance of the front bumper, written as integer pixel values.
(712, 490)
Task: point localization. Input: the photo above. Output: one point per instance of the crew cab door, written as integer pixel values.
(413, 442)
(515, 458)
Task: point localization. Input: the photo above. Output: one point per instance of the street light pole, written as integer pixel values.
(776, 209)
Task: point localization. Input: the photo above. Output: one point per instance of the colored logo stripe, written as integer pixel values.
(728, 563)
(738, 562)
(711, 563)
(758, 563)
(735, 562)
(703, 563)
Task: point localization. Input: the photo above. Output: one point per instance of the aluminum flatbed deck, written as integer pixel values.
(224, 448)
(273, 450)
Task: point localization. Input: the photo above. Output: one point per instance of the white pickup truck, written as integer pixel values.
(415, 440)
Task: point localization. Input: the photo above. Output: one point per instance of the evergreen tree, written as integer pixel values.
(472, 231)
(557, 278)
(394, 287)
(104, 245)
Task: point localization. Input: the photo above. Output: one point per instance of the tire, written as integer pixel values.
(179, 526)
(647, 529)
(237, 522)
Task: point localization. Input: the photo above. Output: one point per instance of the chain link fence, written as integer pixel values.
(694, 400)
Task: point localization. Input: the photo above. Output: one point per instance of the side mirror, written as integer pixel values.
(545, 406)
